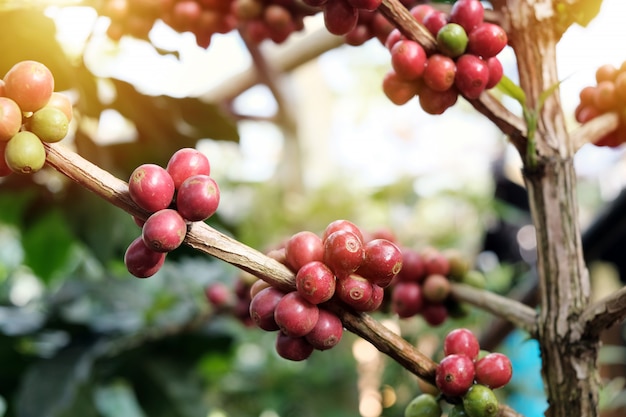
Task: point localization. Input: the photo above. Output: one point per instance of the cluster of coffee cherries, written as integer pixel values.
(181, 193)
(466, 377)
(203, 18)
(31, 113)
(423, 285)
(338, 265)
(607, 95)
(464, 63)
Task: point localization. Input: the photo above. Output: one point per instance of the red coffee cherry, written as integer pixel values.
(434, 313)
(436, 262)
(434, 21)
(30, 84)
(151, 187)
(142, 261)
(315, 282)
(365, 4)
(439, 73)
(496, 72)
(185, 163)
(408, 59)
(413, 267)
(494, 370)
(437, 102)
(343, 252)
(354, 290)
(406, 299)
(164, 230)
(454, 375)
(487, 40)
(262, 307)
(462, 342)
(293, 348)
(197, 198)
(342, 224)
(420, 11)
(219, 295)
(327, 331)
(340, 17)
(436, 288)
(397, 89)
(302, 248)
(381, 262)
(467, 13)
(294, 315)
(472, 76)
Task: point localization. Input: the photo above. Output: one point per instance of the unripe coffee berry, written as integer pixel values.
(424, 405)
(24, 153)
(480, 401)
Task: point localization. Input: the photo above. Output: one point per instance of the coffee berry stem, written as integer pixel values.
(519, 314)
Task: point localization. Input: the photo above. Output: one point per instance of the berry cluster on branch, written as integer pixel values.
(181, 193)
(608, 95)
(464, 63)
(31, 113)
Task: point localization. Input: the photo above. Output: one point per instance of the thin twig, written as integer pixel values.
(603, 313)
(517, 313)
(594, 129)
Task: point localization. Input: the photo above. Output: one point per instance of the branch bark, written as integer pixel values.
(603, 314)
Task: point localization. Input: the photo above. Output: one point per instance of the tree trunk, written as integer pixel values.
(568, 361)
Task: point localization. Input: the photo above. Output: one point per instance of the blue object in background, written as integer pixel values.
(525, 393)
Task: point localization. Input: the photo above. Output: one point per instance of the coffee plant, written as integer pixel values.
(424, 319)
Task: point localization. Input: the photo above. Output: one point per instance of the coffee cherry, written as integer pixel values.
(454, 375)
(365, 4)
(424, 405)
(472, 76)
(340, 17)
(434, 21)
(197, 198)
(315, 282)
(293, 348)
(436, 288)
(436, 102)
(496, 72)
(606, 72)
(262, 308)
(151, 187)
(24, 153)
(164, 230)
(480, 401)
(343, 252)
(4, 168)
(62, 102)
(467, 13)
(439, 73)
(462, 342)
(408, 59)
(605, 98)
(420, 11)
(294, 315)
(452, 40)
(185, 163)
(30, 84)
(406, 299)
(10, 118)
(302, 248)
(397, 89)
(434, 313)
(435, 262)
(257, 286)
(382, 261)
(219, 295)
(487, 40)
(494, 370)
(413, 267)
(142, 261)
(327, 331)
(354, 290)
(342, 224)
(475, 279)
(376, 300)
(50, 124)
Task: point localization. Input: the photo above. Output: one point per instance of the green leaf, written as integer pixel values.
(48, 244)
(508, 87)
(50, 385)
(117, 399)
(545, 94)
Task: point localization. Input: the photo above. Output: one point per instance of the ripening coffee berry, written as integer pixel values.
(439, 73)
(303, 247)
(142, 261)
(368, 5)
(487, 40)
(462, 342)
(197, 198)
(436, 102)
(343, 252)
(354, 290)
(262, 307)
(185, 163)
(340, 17)
(315, 282)
(424, 405)
(397, 89)
(436, 288)
(62, 102)
(164, 230)
(151, 187)
(10, 118)
(435, 262)
(382, 261)
(406, 299)
(30, 84)
(293, 348)
(480, 401)
(467, 13)
(494, 370)
(50, 124)
(327, 331)
(294, 315)
(24, 153)
(472, 76)
(454, 375)
(408, 59)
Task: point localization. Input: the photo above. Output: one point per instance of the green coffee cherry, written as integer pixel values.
(25, 153)
(49, 123)
(452, 40)
(480, 401)
(424, 405)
